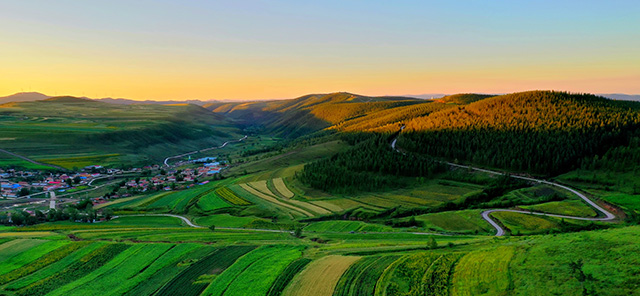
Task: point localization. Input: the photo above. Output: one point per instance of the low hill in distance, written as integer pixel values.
(61, 130)
(338, 211)
(310, 113)
(622, 97)
(23, 97)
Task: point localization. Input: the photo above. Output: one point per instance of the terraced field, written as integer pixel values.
(471, 276)
(575, 208)
(254, 273)
(525, 224)
(195, 278)
(467, 221)
(346, 226)
(231, 197)
(281, 187)
(397, 266)
(275, 201)
(361, 277)
(320, 277)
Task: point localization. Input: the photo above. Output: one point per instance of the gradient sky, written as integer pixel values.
(281, 49)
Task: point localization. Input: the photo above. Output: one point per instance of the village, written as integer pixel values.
(20, 184)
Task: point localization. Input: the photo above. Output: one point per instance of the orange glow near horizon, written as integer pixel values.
(213, 51)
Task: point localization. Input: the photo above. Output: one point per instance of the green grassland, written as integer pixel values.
(82, 132)
(147, 256)
(466, 221)
(253, 201)
(346, 226)
(289, 158)
(571, 208)
(9, 161)
(263, 232)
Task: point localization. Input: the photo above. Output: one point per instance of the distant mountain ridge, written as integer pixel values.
(23, 97)
(121, 101)
(36, 96)
(621, 97)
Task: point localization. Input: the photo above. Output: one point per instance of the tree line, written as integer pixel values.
(369, 165)
(540, 132)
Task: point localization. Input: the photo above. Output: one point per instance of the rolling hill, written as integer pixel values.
(23, 97)
(339, 215)
(307, 114)
(541, 132)
(61, 130)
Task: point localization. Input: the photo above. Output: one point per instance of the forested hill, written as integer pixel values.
(308, 113)
(463, 99)
(392, 118)
(539, 131)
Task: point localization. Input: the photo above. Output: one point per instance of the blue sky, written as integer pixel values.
(276, 49)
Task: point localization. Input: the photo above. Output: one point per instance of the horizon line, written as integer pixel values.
(419, 96)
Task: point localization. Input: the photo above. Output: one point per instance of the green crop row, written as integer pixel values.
(230, 196)
(162, 272)
(407, 277)
(366, 282)
(185, 283)
(152, 200)
(53, 268)
(77, 270)
(286, 276)
(43, 261)
(117, 272)
(350, 276)
(201, 194)
(148, 271)
(257, 278)
(221, 284)
(28, 255)
(362, 276)
(436, 279)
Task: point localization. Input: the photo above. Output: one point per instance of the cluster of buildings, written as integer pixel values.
(12, 182)
(179, 177)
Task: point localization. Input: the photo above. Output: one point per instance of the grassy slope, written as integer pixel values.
(74, 132)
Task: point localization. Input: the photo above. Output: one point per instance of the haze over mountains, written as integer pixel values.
(35, 96)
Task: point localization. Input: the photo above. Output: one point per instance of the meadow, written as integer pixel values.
(262, 230)
(83, 132)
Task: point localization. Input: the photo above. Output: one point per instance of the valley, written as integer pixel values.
(530, 193)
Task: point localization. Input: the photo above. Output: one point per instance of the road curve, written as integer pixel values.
(166, 160)
(499, 230)
(191, 224)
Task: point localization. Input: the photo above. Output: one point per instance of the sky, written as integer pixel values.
(175, 50)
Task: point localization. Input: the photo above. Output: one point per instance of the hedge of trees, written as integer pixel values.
(370, 164)
(618, 159)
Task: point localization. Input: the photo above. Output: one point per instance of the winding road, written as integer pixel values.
(166, 160)
(608, 216)
(191, 224)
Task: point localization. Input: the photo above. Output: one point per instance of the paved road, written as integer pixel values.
(191, 224)
(166, 160)
(31, 160)
(499, 230)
